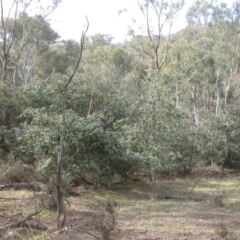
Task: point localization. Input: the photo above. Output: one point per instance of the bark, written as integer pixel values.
(7, 42)
(218, 92)
(195, 106)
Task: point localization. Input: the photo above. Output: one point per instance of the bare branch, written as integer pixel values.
(16, 224)
(162, 18)
(14, 215)
(80, 55)
(14, 27)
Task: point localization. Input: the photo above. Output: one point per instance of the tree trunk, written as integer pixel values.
(218, 92)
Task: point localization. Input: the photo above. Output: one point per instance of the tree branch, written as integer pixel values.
(17, 224)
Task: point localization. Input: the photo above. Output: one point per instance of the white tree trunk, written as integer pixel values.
(218, 92)
(195, 106)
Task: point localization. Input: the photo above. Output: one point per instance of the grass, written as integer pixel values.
(144, 213)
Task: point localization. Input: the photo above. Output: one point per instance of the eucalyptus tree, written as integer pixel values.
(96, 105)
(33, 37)
(159, 18)
(195, 78)
(217, 62)
(219, 24)
(19, 37)
(152, 108)
(56, 58)
(121, 60)
(12, 18)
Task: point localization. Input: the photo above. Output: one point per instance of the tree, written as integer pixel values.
(10, 32)
(121, 60)
(20, 36)
(33, 38)
(57, 58)
(164, 14)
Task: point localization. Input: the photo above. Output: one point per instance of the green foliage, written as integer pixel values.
(58, 59)
(163, 137)
(91, 151)
(121, 112)
(30, 37)
(121, 60)
(219, 139)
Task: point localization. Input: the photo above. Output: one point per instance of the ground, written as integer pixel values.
(192, 208)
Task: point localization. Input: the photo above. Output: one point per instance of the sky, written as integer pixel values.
(69, 17)
(68, 20)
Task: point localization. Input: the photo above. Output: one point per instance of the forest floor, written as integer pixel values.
(190, 208)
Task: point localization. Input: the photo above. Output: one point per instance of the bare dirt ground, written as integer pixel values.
(180, 209)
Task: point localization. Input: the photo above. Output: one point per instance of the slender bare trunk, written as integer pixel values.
(218, 92)
(60, 203)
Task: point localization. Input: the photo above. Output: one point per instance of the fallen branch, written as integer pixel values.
(13, 199)
(86, 232)
(30, 185)
(37, 226)
(183, 198)
(193, 198)
(14, 215)
(19, 223)
(65, 229)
